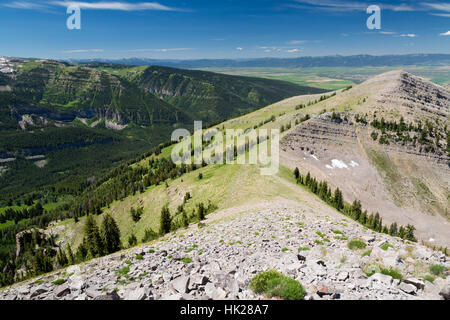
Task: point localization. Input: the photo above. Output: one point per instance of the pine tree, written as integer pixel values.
(370, 221)
(401, 232)
(132, 240)
(356, 209)
(61, 258)
(70, 257)
(338, 199)
(110, 234)
(409, 233)
(94, 242)
(363, 217)
(185, 219)
(393, 229)
(165, 220)
(201, 211)
(296, 173)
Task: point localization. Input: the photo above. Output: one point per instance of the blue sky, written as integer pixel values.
(182, 29)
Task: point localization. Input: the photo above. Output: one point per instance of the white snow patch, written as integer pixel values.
(338, 164)
(354, 164)
(329, 167)
(314, 157)
(431, 240)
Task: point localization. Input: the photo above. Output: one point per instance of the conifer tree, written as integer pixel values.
(132, 240)
(401, 232)
(393, 229)
(201, 211)
(110, 234)
(338, 199)
(165, 220)
(296, 173)
(94, 242)
(70, 257)
(409, 233)
(61, 258)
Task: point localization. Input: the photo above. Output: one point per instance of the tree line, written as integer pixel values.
(354, 210)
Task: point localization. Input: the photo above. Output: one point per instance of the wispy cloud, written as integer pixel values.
(24, 5)
(409, 35)
(158, 50)
(345, 6)
(445, 33)
(239, 49)
(442, 8)
(98, 5)
(447, 15)
(84, 51)
(280, 49)
(116, 5)
(438, 6)
(296, 42)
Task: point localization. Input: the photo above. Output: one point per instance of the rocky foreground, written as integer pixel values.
(218, 260)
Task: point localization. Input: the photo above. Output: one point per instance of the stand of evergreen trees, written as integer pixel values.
(429, 134)
(354, 210)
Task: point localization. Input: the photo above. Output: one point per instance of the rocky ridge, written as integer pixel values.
(218, 259)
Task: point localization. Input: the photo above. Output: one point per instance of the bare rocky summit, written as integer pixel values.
(406, 182)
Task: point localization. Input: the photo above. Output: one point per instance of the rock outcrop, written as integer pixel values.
(219, 260)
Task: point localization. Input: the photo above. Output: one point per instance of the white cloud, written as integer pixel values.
(336, 5)
(445, 33)
(438, 6)
(409, 35)
(443, 7)
(23, 5)
(294, 42)
(293, 50)
(447, 15)
(83, 50)
(239, 49)
(99, 5)
(158, 50)
(387, 32)
(115, 5)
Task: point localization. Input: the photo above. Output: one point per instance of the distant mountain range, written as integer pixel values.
(299, 62)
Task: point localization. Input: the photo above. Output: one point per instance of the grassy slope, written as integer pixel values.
(226, 186)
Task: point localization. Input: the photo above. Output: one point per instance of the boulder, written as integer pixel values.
(138, 294)
(181, 284)
(445, 292)
(177, 296)
(342, 276)
(408, 288)
(214, 293)
(62, 290)
(325, 290)
(419, 284)
(77, 283)
(112, 295)
(382, 278)
(37, 291)
(92, 293)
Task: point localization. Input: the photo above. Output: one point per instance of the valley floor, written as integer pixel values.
(217, 260)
